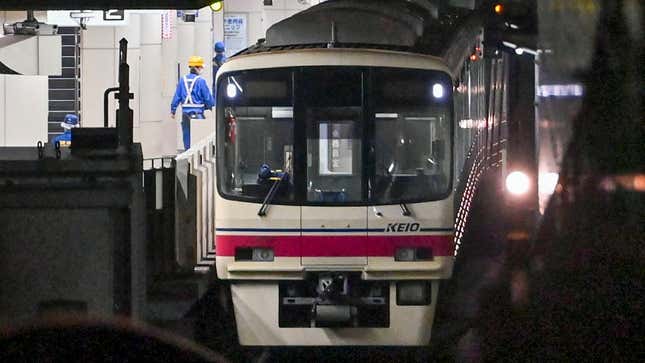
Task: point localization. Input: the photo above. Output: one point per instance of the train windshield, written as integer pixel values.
(257, 125)
(412, 136)
(334, 135)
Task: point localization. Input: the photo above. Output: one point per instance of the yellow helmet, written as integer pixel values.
(196, 61)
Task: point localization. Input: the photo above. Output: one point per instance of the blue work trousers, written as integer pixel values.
(185, 126)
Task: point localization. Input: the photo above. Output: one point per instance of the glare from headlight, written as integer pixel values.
(231, 90)
(547, 182)
(437, 90)
(518, 183)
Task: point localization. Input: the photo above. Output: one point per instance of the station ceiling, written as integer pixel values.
(103, 4)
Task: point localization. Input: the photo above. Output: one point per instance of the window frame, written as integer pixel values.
(300, 136)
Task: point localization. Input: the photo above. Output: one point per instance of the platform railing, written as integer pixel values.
(159, 189)
(195, 195)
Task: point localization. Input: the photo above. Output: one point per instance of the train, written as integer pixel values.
(346, 157)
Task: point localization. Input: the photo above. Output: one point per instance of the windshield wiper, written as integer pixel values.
(270, 195)
(404, 210)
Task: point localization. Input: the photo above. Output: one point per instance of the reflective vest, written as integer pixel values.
(189, 84)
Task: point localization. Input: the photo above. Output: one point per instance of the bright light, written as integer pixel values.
(437, 90)
(519, 51)
(217, 6)
(518, 183)
(499, 8)
(560, 90)
(509, 44)
(231, 90)
(547, 182)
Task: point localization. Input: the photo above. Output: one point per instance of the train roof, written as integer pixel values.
(316, 57)
(394, 25)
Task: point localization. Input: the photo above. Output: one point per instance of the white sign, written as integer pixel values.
(113, 17)
(235, 33)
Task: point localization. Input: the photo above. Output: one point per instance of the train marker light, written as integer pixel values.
(437, 90)
(498, 8)
(404, 254)
(231, 90)
(256, 254)
(263, 254)
(518, 183)
(407, 254)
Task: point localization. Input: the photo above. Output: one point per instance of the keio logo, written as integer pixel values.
(402, 227)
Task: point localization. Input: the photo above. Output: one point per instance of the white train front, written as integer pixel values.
(340, 173)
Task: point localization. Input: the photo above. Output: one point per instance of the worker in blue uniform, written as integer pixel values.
(218, 60)
(193, 95)
(69, 122)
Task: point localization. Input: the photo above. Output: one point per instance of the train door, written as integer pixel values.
(334, 217)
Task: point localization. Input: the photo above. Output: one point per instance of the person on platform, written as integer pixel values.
(193, 95)
(69, 122)
(218, 60)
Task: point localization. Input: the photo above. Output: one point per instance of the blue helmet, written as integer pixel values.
(70, 121)
(219, 47)
(265, 171)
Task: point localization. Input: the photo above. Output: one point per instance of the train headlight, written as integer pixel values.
(438, 90)
(231, 90)
(413, 293)
(518, 183)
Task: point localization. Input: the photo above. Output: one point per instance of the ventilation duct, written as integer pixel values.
(30, 48)
(401, 23)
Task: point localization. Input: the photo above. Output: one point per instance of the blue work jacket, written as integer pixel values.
(192, 94)
(64, 139)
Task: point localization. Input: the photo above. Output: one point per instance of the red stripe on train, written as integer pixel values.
(334, 246)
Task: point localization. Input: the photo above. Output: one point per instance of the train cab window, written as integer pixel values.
(412, 136)
(255, 129)
(334, 135)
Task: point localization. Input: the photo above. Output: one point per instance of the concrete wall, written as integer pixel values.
(156, 64)
(153, 76)
(23, 100)
(261, 17)
(23, 110)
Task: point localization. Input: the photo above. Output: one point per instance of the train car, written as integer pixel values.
(347, 154)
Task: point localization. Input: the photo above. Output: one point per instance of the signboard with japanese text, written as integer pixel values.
(235, 33)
